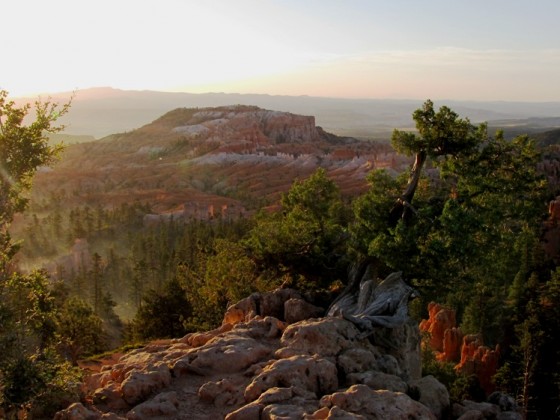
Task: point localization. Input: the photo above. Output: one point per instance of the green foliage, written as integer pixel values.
(466, 235)
(440, 133)
(371, 211)
(26, 307)
(442, 371)
(23, 148)
(79, 331)
(230, 274)
(21, 382)
(33, 307)
(39, 386)
(536, 355)
(459, 245)
(163, 314)
(467, 388)
(307, 238)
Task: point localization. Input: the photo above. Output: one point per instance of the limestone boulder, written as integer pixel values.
(162, 405)
(432, 394)
(309, 373)
(110, 396)
(487, 410)
(261, 328)
(220, 393)
(504, 401)
(141, 357)
(201, 338)
(402, 343)
(472, 415)
(282, 412)
(269, 401)
(335, 413)
(327, 337)
(378, 381)
(356, 360)
(244, 310)
(98, 380)
(371, 404)
(509, 415)
(260, 305)
(272, 304)
(139, 384)
(275, 395)
(247, 412)
(389, 365)
(296, 310)
(78, 411)
(228, 354)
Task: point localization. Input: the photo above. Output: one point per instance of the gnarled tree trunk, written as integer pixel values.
(403, 207)
(368, 304)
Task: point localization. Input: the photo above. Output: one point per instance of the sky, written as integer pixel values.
(400, 49)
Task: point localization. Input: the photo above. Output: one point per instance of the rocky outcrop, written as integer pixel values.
(468, 352)
(257, 366)
(265, 304)
(311, 374)
(479, 360)
(432, 394)
(440, 321)
(253, 127)
(360, 400)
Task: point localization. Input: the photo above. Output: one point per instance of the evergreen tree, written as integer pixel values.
(79, 330)
(27, 311)
(163, 314)
(96, 280)
(455, 241)
(306, 240)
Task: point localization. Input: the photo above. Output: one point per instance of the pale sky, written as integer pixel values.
(404, 49)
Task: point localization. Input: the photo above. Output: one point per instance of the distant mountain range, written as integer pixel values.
(240, 156)
(99, 112)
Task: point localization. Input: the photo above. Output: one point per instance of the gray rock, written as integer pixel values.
(310, 373)
(504, 401)
(296, 310)
(432, 394)
(362, 400)
(378, 381)
(472, 415)
(282, 412)
(509, 415)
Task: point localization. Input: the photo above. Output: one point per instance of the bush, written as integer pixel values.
(40, 386)
(162, 314)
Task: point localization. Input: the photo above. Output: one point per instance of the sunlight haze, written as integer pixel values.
(475, 50)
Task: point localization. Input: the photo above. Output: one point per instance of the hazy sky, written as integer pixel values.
(441, 49)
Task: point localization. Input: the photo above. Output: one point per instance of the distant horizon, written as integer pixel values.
(503, 50)
(70, 92)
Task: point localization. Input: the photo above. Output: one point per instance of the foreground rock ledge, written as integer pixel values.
(258, 366)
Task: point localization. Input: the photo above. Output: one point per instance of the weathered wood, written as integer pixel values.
(374, 305)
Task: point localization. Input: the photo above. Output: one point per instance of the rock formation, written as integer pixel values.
(265, 362)
(480, 360)
(444, 338)
(470, 355)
